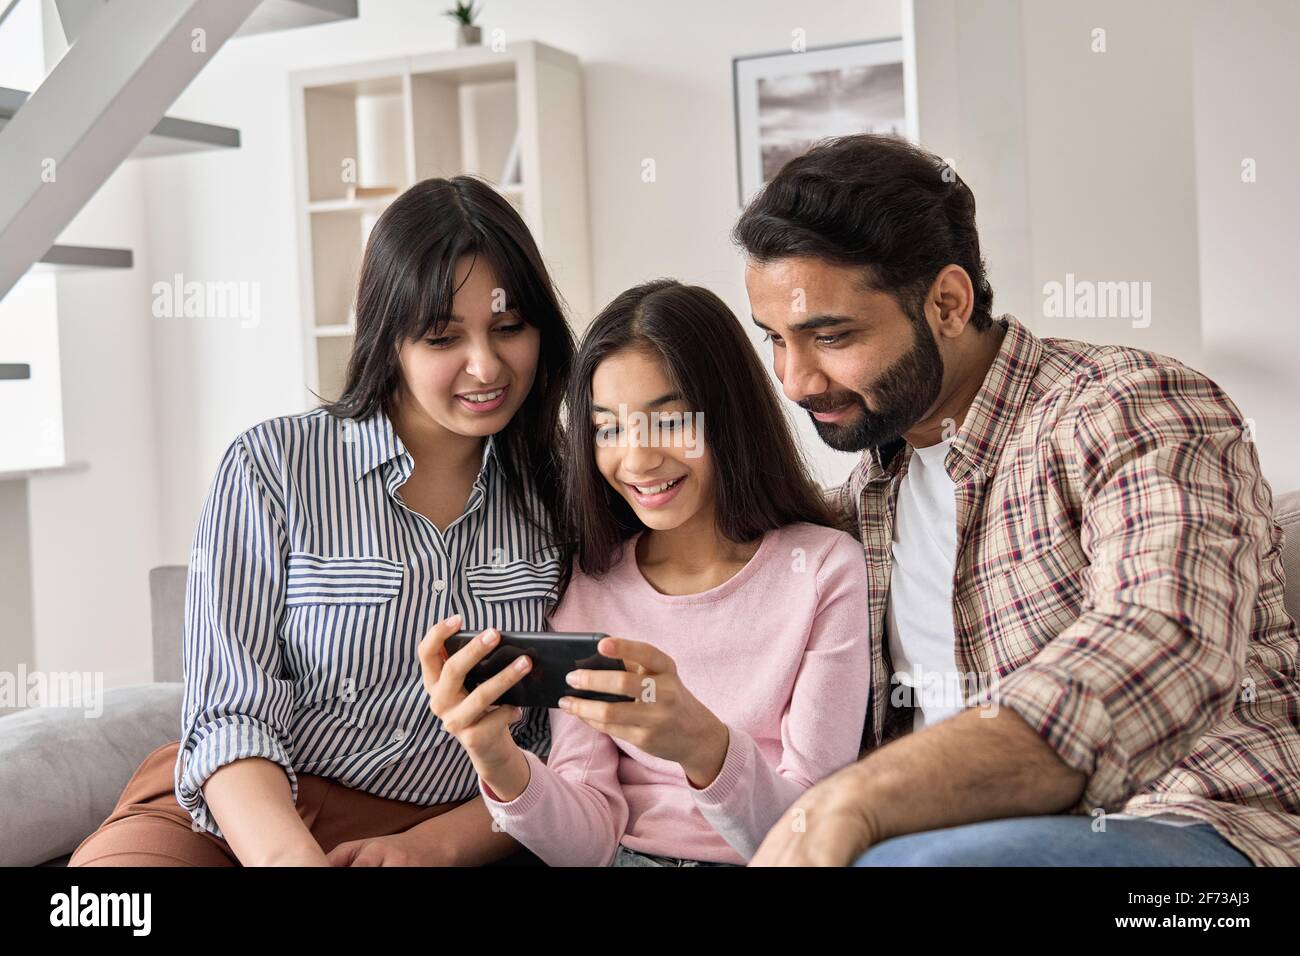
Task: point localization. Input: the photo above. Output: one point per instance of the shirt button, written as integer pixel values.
(440, 585)
(399, 736)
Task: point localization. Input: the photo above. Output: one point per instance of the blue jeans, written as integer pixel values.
(1062, 840)
(626, 857)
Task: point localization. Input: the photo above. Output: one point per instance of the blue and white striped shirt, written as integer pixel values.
(310, 587)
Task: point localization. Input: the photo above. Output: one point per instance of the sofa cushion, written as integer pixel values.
(167, 612)
(62, 771)
(1287, 510)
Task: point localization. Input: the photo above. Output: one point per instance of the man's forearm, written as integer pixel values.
(464, 836)
(966, 769)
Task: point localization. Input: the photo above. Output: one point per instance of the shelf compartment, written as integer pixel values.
(406, 119)
(466, 126)
(337, 242)
(356, 135)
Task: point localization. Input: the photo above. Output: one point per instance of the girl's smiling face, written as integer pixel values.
(474, 376)
(665, 474)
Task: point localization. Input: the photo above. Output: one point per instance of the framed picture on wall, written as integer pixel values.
(785, 102)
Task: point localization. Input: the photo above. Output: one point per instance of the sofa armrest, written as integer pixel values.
(62, 769)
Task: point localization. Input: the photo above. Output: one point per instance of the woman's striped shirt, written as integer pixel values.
(310, 587)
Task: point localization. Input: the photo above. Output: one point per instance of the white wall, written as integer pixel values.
(1126, 165)
(95, 533)
(1081, 161)
(971, 106)
(22, 63)
(1247, 76)
(1111, 168)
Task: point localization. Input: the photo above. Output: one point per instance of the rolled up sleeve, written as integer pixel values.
(237, 703)
(1174, 521)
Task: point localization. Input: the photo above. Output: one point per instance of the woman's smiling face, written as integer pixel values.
(629, 391)
(474, 376)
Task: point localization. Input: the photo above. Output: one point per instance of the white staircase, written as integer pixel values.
(122, 64)
(105, 101)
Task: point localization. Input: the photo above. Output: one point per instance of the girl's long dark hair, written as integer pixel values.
(760, 478)
(405, 291)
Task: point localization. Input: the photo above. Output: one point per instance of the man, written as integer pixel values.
(1081, 654)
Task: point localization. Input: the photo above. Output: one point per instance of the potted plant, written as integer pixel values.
(468, 33)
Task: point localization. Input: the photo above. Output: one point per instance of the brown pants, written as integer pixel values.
(149, 828)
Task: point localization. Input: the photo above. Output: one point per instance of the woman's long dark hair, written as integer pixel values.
(760, 478)
(405, 292)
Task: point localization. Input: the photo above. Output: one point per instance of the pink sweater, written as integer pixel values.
(779, 652)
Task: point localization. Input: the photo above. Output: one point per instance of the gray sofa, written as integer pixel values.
(61, 774)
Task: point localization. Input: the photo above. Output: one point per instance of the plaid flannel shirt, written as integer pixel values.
(1118, 585)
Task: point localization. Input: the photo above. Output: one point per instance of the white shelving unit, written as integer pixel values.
(366, 132)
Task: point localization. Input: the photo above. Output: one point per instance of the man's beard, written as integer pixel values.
(902, 396)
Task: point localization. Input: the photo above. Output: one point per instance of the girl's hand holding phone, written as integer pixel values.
(664, 719)
(482, 728)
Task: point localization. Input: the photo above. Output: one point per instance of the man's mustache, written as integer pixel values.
(824, 403)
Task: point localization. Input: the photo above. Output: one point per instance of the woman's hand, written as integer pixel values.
(296, 856)
(664, 719)
(482, 728)
(397, 849)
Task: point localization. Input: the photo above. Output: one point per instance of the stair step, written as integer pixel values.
(271, 16)
(75, 258)
(171, 136)
(275, 15)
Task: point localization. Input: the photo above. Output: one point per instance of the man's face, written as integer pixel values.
(853, 359)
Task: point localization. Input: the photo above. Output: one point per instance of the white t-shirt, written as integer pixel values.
(919, 613)
(918, 618)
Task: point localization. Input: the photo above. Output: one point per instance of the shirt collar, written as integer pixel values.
(978, 443)
(995, 409)
(374, 441)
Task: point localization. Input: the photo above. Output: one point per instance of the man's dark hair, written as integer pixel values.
(877, 202)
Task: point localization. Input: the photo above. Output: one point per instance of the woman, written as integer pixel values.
(739, 614)
(331, 540)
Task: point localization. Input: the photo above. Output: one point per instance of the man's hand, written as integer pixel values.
(828, 826)
(977, 765)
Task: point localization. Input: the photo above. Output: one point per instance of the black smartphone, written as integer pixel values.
(553, 653)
